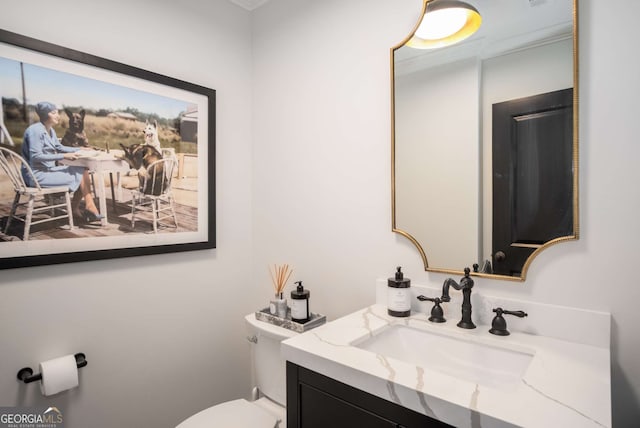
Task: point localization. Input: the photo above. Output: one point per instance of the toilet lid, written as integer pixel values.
(237, 413)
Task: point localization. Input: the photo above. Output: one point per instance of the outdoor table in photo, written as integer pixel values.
(100, 163)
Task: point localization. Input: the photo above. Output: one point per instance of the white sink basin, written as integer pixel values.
(464, 359)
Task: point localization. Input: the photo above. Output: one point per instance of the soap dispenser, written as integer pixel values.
(300, 304)
(398, 296)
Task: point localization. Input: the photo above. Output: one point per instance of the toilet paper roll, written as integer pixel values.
(58, 375)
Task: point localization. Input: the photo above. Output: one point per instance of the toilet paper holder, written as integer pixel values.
(26, 374)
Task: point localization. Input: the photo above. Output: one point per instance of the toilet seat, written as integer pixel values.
(237, 413)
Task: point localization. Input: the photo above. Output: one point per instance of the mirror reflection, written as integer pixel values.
(485, 139)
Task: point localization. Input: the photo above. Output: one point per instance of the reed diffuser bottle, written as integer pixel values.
(279, 276)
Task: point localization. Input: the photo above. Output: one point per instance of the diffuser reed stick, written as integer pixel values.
(279, 276)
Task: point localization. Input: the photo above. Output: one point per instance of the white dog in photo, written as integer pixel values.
(151, 135)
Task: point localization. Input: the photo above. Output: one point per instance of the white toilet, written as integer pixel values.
(268, 408)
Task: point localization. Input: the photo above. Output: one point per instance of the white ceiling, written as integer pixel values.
(249, 4)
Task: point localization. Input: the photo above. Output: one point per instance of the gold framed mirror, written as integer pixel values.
(485, 139)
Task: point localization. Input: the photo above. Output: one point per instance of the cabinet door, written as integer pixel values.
(321, 410)
(317, 401)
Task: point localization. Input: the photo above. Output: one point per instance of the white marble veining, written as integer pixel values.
(563, 383)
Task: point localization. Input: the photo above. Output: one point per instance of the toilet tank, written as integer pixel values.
(269, 368)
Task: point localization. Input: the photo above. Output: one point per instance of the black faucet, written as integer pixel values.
(466, 284)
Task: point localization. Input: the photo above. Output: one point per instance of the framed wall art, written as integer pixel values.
(131, 130)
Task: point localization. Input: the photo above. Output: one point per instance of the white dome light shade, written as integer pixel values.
(442, 23)
(445, 23)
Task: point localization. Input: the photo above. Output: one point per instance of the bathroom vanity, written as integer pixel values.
(318, 401)
(371, 369)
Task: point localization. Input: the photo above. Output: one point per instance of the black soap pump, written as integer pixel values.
(398, 296)
(300, 304)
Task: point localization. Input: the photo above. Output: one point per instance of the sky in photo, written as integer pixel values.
(65, 89)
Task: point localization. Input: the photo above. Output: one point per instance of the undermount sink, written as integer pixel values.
(464, 359)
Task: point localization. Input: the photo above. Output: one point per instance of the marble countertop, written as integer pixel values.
(566, 384)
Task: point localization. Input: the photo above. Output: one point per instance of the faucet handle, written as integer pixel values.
(437, 314)
(499, 325)
(519, 314)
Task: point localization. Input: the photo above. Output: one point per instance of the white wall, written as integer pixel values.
(322, 146)
(322, 166)
(163, 335)
(437, 111)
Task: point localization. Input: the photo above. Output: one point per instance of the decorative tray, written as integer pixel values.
(315, 320)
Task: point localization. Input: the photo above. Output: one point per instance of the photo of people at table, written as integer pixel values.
(128, 157)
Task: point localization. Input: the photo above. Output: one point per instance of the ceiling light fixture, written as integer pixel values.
(445, 22)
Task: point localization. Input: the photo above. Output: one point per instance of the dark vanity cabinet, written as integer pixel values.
(316, 401)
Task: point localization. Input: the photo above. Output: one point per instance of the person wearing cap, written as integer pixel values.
(42, 149)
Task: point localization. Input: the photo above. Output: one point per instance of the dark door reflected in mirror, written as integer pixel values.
(532, 179)
(484, 147)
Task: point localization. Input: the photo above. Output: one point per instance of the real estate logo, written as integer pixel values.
(31, 417)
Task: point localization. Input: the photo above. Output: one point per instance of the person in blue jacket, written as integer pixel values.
(42, 149)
